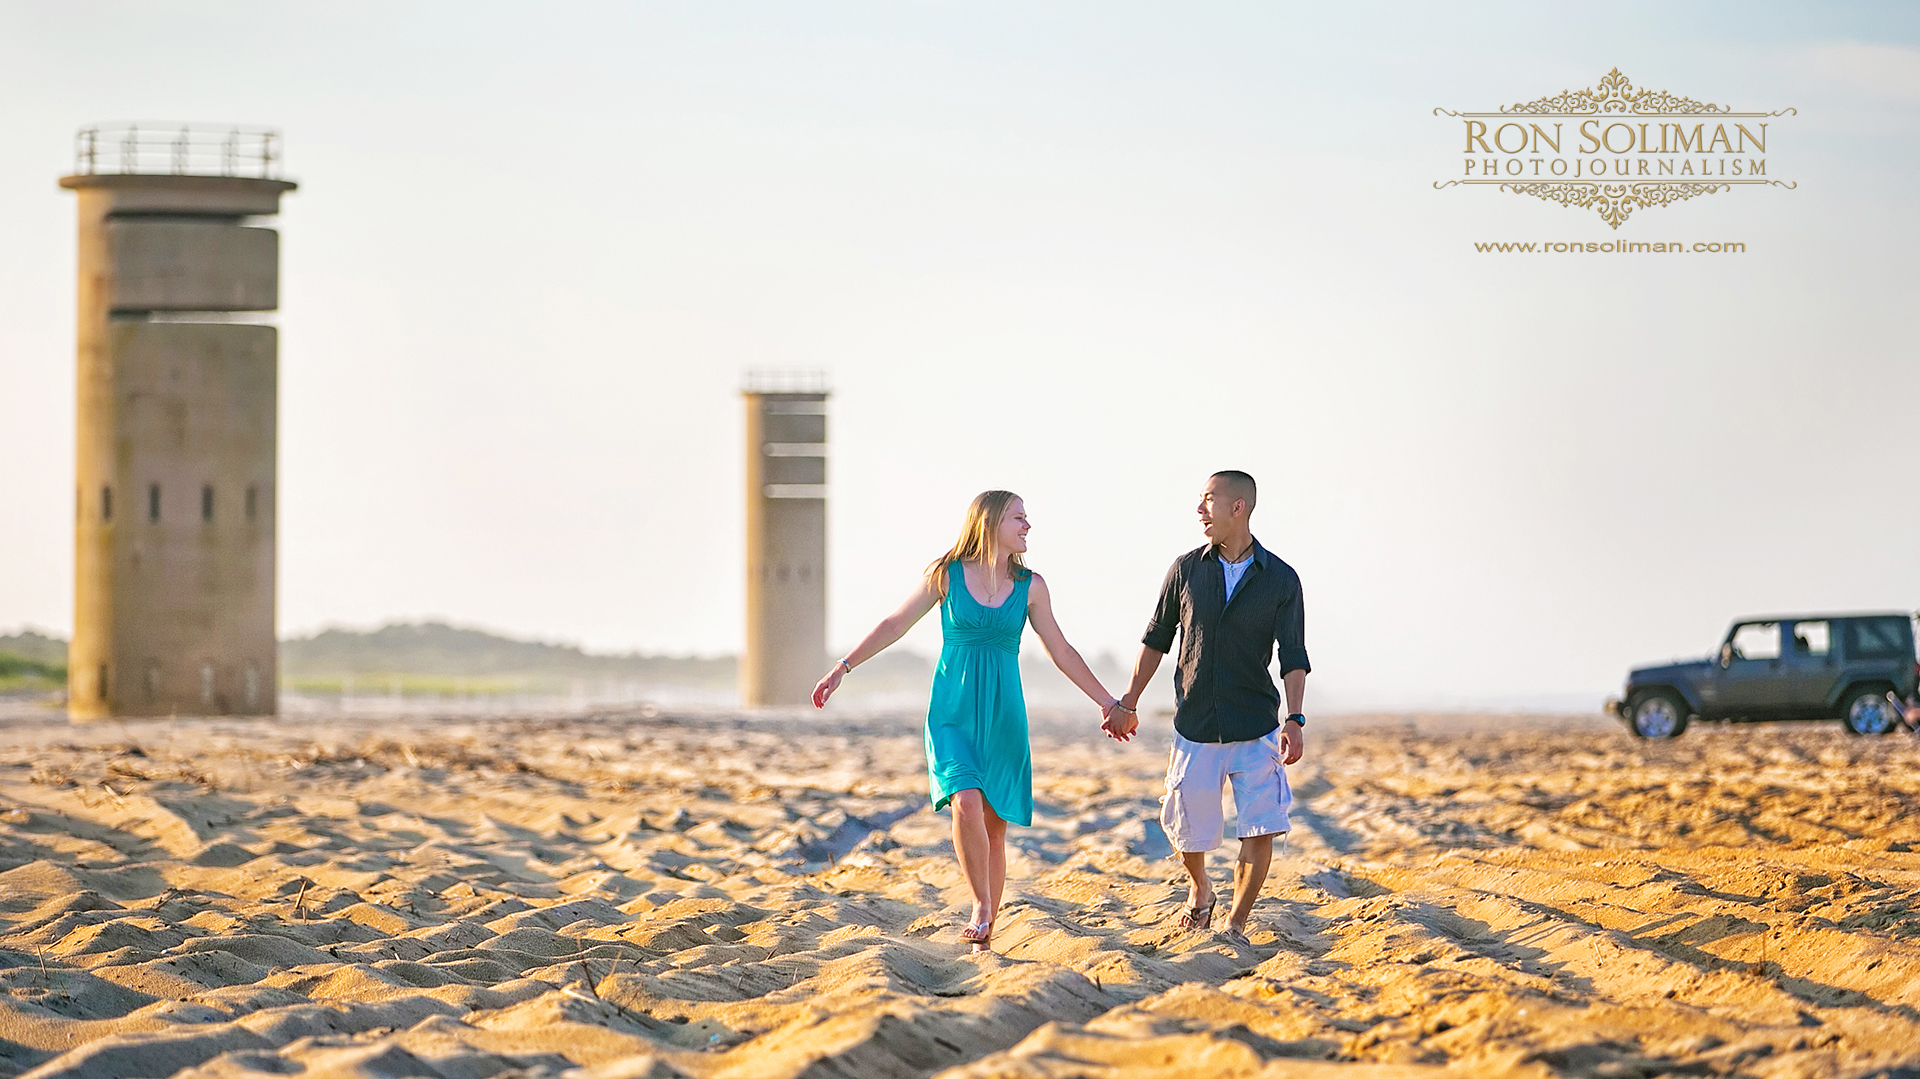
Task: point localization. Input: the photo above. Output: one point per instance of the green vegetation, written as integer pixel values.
(37, 647)
(432, 657)
(19, 674)
(32, 663)
(420, 685)
(435, 659)
(12, 666)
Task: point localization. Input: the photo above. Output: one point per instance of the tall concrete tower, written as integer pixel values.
(786, 538)
(174, 515)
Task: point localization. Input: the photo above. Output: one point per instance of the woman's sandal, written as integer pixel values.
(978, 934)
(1199, 917)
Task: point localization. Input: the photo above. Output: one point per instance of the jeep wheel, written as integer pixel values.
(1657, 715)
(1869, 712)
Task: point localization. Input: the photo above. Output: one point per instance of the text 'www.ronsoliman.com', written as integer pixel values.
(1609, 247)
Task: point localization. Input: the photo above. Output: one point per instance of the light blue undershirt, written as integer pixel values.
(1235, 571)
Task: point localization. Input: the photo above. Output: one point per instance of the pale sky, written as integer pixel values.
(1088, 252)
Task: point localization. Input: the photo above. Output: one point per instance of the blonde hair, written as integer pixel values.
(984, 515)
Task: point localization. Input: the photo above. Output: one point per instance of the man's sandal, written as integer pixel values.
(1235, 934)
(1198, 917)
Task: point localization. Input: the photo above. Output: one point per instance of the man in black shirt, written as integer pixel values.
(1233, 604)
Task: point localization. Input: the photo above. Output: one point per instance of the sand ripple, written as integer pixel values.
(614, 896)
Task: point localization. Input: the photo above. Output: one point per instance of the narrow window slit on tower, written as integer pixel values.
(206, 502)
(251, 500)
(153, 501)
(106, 502)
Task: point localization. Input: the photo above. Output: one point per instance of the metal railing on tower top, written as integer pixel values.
(163, 149)
(784, 380)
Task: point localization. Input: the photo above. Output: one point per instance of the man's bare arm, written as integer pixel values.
(1144, 667)
(1122, 724)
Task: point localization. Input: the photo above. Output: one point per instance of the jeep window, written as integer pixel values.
(1811, 638)
(1876, 638)
(1757, 640)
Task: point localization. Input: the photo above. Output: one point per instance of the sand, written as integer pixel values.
(712, 896)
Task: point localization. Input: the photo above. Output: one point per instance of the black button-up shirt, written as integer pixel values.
(1221, 684)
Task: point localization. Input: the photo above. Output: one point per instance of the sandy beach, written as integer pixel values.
(717, 896)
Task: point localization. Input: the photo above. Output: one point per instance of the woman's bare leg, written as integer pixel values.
(996, 859)
(973, 849)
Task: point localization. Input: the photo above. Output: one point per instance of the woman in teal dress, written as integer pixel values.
(979, 761)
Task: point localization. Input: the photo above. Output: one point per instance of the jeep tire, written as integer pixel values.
(1869, 712)
(1656, 714)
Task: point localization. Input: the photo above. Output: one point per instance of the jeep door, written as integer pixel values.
(1748, 682)
(1810, 668)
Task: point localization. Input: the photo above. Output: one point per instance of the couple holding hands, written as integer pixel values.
(1231, 602)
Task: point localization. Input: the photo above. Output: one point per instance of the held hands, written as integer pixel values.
(1118, 723)
(827, 685)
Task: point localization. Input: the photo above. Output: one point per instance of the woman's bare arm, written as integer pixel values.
(891, 628)
(1064, 655)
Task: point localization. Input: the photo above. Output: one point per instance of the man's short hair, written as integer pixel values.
(1240, 485)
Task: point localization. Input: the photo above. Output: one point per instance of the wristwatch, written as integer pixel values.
(1297, 717)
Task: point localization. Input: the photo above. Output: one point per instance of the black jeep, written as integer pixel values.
(1815, 666)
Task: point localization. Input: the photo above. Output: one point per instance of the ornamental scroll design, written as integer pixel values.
(1616, 95)
(1613, 202)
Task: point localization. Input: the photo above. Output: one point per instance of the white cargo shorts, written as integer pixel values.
(1191, 813)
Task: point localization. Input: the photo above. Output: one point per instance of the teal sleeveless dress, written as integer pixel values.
(977, 719)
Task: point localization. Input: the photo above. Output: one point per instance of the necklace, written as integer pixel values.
(991, 567)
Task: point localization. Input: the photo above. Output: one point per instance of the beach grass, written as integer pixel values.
(22, 674)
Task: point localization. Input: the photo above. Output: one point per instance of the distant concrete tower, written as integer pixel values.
(786, 538)
(174, 532)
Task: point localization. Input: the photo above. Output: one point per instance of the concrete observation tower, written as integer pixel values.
(178, 398)
(786, 538)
